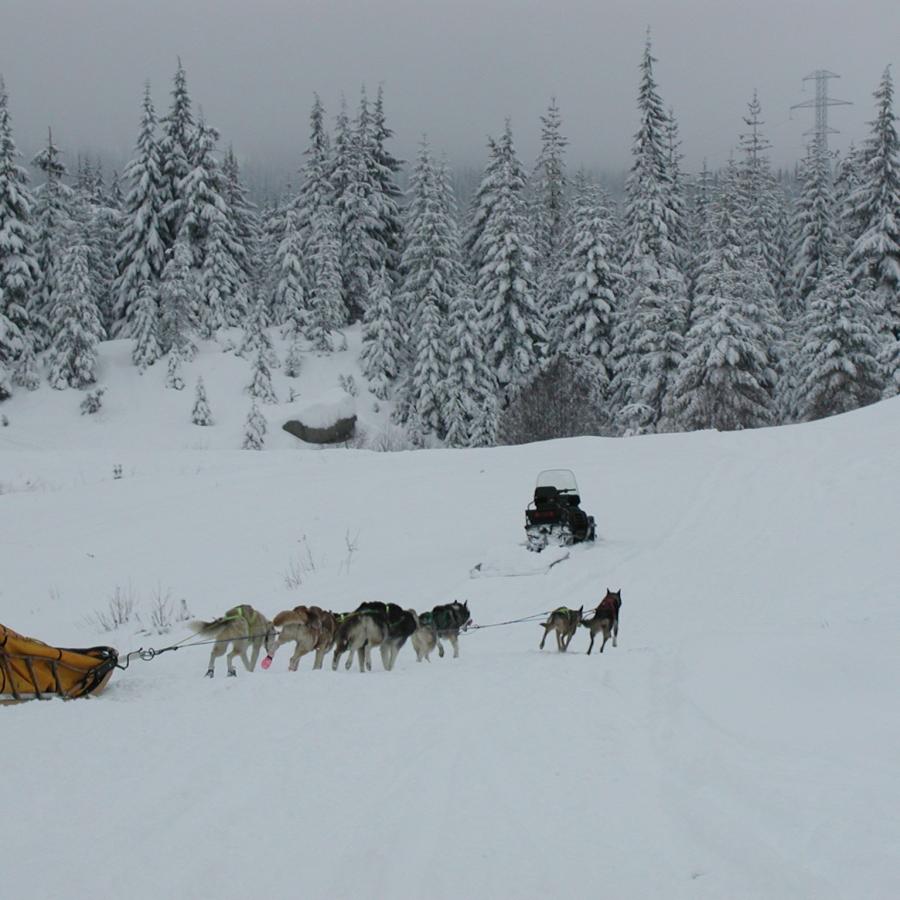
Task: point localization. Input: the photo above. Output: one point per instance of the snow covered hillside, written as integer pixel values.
(741, 740)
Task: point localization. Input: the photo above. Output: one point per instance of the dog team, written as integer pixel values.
(315, 630)
(382, 625)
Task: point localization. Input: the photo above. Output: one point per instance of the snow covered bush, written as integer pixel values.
(92, 402)
(254, 429)
(201, 415)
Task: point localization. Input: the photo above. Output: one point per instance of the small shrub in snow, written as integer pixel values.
(164, 613)
(254, 430)
(293, 363)
(92, 402)
(293, 394)
(4, 422)
(117, 471)
(390, 439)
(201, 414)
(119, 611)
(301, 566)
(173, 371)
(348, 384)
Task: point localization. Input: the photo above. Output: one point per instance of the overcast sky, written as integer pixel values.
(452, 69)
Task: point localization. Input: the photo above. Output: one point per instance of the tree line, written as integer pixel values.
(543, 309)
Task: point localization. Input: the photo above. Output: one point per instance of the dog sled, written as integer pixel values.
(31, 669)
(555, 516)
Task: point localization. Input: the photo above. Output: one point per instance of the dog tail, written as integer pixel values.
(200, 627)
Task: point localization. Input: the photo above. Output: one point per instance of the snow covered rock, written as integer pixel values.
(330, 420)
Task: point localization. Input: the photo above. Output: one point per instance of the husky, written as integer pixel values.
(605, 619)
(447, 620)
(241, 626)
(310, 628)
(424, 639)
(398, 625)
(565, 623)
(357, 633)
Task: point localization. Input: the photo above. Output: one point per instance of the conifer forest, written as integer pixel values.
(538, 306)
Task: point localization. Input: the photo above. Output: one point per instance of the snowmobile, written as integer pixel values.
(555, 516)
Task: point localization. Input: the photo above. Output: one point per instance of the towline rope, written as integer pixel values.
(150, 653)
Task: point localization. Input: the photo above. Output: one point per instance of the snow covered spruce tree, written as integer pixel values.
(75, 326)
(176, 155)
(889, 360)
(837, 365)
(145, 327)
(431, 268)
(19, 272)
(382, 339)
(179, 312)
(141, 254)
(700, 195)
(548, 207)
(327, 313)
(357, 213)
(649, 332)
(591, 284)
(727, 377)
(503, 256)
(244, 219)
(319, 251)
(470, 405)
(763, 205)
(208, 224)
(875, 205)
(200, 414)
(289, 301)
(387, 195)
(52, 212)
(256, 335)
(261, 387)
(102, 216)
(814, 225)
(254, 429)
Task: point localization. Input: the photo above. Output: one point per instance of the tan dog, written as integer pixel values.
(242, 627)
(424, 640)
(565, 623)
(310, 628)
(605, 619)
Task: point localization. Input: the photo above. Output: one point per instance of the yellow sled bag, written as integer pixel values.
(31, 669)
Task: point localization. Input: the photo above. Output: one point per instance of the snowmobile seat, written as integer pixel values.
(546, 496)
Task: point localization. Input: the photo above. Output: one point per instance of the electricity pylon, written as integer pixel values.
(821, 103)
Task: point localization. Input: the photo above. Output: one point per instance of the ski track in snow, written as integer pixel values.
(741, 741)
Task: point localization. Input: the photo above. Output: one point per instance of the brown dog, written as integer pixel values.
(605, 619)
(310, 628)
(565, 623)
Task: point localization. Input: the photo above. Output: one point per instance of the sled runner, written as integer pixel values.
(30, 669)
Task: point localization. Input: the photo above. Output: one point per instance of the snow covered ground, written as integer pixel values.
(741, 741)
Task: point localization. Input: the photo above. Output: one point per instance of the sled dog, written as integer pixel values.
(605, 619)
(242, 627)
(357, 633)
(447, 620)
(565, 623)
(310, 628)
(398, 625)
(424, 639)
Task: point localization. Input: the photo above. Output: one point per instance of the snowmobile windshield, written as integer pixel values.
(562, 479)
